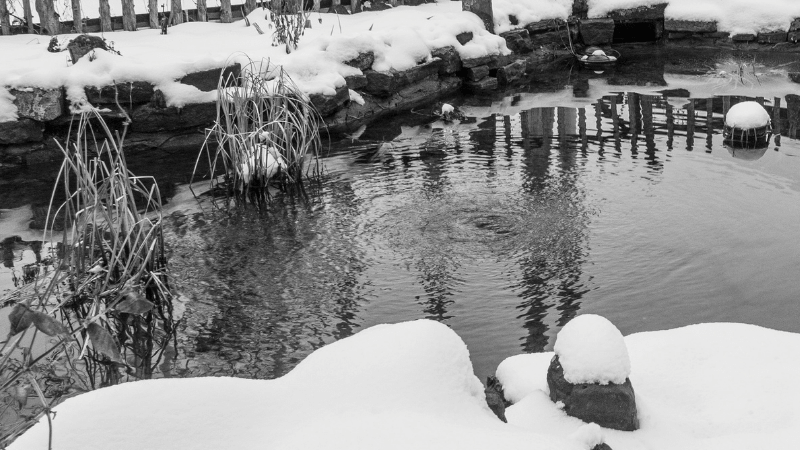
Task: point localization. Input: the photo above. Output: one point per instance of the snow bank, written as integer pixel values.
(733, 16)
(403, 386)
(592, 350)
(528, 11)
(400, 38)
(717, 386)
(747, 115)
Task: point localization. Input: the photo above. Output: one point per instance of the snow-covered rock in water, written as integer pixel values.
(589, 374)
(404, 386)
(747, 116)
(592, 350)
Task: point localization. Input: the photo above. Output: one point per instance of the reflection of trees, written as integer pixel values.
(551, 263)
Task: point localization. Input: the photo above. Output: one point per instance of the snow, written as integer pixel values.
(402, 386)
(528, 11)
(733, 16)
(709, 386)
(714, 386)
(400, 39)
(747, 116)
(8, 110)
(592, 350)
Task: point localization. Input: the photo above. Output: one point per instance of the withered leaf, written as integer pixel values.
(103, 342)
(21, 318)
(48, 325)
(134, 303)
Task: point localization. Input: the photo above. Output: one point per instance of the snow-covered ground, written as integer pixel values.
(733, 16)
(400, 39)
(411, 385)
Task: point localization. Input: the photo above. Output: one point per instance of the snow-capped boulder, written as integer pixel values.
(589, 374)
(747, 116)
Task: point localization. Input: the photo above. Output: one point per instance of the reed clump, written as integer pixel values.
(266, 133)
(104, 314)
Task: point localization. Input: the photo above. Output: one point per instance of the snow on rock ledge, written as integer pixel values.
(747, 116)
(592, 350)
(404, 386)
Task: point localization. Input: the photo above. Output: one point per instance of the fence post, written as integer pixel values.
(176, 12)
(202, 14)
(5, 21)
(77, 16)
(47, 16)
(152, 6)
(105, 16)
(128, 16)
(225, 15)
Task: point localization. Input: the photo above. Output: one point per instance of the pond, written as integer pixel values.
(608, 193)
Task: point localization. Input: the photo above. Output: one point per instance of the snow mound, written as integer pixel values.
(747, 115)
(404, 386)
(592, 350)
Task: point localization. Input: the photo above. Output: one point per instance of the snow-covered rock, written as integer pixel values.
(747, 116)
(592, 350)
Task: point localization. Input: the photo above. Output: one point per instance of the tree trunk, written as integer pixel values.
(152, 6)
(355, 6)
(128, 16)
(317, 5)
(105, 16)
(77, 17)
(26, 10)
(202, 16)
(225, 15)
(176, 12)
(5, 21)
(47, 17)
(249, 6)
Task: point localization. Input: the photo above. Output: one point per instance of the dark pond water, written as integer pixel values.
(587, 193)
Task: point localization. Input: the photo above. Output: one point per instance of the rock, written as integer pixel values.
(495, 397)
(486, 84)
(328, 104)
(150, 119)
(639, 14)
(771, 37)
(690, 26)
(550, 39)
(356, 82)
(795, 26)
(512, 72)
(386, 83)
(84, 44)
(544, 25)
(488, 60)
(363, 61)
(207, 80)
(376, 5)
(353, 115)
(339, 9)
(610, 405)
(518, 41)
(464, 37)
(21, 131)
(793, 37)
(794, 76)
(39, 104)
(678, 35)
(476, 73)
(602, 446)
(136, 92)
(482, 9)
(744, 37)
(597, 31)
(451, 61)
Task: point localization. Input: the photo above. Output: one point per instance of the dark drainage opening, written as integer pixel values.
(635, 32)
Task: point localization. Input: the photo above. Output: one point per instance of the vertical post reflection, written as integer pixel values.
(709, 123)
(690, 125)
